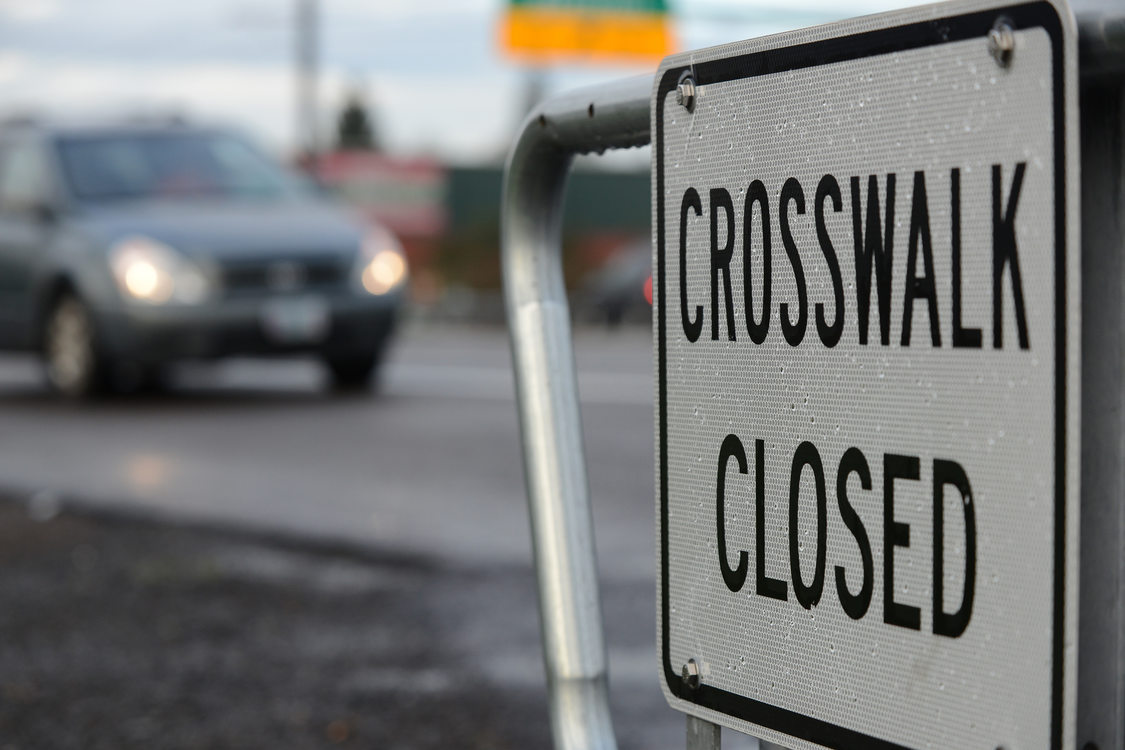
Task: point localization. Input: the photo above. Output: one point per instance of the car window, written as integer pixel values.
(130, 166)
(24, 178)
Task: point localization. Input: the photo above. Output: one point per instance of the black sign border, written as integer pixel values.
(975, 25)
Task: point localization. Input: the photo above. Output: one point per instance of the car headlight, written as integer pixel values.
(151, 272)
(381, 266)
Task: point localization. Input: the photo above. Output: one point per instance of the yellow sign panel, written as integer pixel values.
(544, 33)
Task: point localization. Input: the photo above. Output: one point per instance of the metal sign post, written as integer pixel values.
(1101, 609)
(1086, 706)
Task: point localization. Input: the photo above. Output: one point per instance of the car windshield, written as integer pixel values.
(131, 166)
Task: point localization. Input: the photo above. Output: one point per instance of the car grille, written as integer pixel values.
(281, 275)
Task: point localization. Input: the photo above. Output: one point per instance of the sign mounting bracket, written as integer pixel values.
(594, 119)
(540, 334)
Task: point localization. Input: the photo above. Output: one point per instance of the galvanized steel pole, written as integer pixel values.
(588, 120)
(703, 735)
(1101, 616)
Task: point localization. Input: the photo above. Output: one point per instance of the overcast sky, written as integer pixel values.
(431, 68)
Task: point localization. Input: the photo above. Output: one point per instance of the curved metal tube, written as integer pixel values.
(588, 120)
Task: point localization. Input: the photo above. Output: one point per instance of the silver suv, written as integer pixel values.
(123, 248)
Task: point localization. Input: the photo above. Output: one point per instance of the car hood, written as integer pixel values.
(231, 231)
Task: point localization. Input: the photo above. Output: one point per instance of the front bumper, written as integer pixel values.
(221, 328)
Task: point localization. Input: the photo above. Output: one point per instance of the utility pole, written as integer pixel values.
(306, 37)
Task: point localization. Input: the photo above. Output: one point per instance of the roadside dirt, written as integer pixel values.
(118, 633)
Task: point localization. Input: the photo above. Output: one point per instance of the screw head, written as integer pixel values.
(685, 92)
(690, 674)
(1002, 42)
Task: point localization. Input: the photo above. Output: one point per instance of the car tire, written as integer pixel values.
(73, 364)
(351, 371)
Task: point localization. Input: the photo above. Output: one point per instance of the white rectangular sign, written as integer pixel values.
(867, 341)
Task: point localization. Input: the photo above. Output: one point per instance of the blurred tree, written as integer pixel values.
(354, 128)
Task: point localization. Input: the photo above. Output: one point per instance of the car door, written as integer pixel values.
(27, 224)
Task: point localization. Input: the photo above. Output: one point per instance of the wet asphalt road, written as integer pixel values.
(427, 465)
(429, 462)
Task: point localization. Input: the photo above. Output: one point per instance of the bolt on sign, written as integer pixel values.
(867, 275)
(547, 31)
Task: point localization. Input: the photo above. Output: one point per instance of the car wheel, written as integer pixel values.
(71, 359)
(352, 371)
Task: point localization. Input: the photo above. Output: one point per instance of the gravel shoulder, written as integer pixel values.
(123, 633)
